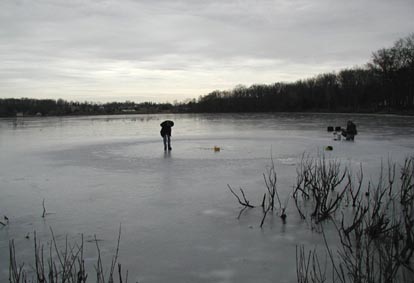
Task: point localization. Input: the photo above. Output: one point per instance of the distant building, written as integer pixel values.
(128, 110)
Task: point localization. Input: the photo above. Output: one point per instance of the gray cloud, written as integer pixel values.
(185, 48)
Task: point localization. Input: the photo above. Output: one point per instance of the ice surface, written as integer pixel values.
(177, 217)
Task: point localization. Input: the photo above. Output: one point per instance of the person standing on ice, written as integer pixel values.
(350, 131)
(166, 133)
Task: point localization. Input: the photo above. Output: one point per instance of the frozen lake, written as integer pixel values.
(178, 219)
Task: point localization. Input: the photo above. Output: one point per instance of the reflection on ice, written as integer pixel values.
(287, 161)
(221, 275)
(214, 212)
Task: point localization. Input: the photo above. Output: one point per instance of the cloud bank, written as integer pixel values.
(105, 50)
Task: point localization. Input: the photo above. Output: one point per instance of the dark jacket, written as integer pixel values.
(166, 128)
(351, 129)
(165, 131)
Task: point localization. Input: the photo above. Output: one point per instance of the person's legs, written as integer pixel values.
(164, 138)
(169, 142)
(349, 137)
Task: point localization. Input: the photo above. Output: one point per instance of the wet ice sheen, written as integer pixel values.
(178, 218)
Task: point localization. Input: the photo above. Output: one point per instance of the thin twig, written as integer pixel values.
(245, 203)
(44, 209)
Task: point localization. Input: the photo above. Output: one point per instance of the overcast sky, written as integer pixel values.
(165, 50)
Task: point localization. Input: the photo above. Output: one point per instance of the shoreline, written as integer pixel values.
(379, 113)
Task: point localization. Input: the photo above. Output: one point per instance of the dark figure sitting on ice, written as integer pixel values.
(350, 131)
(166, 133)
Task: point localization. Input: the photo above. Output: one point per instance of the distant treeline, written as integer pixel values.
(385, 84)
(49, 107)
